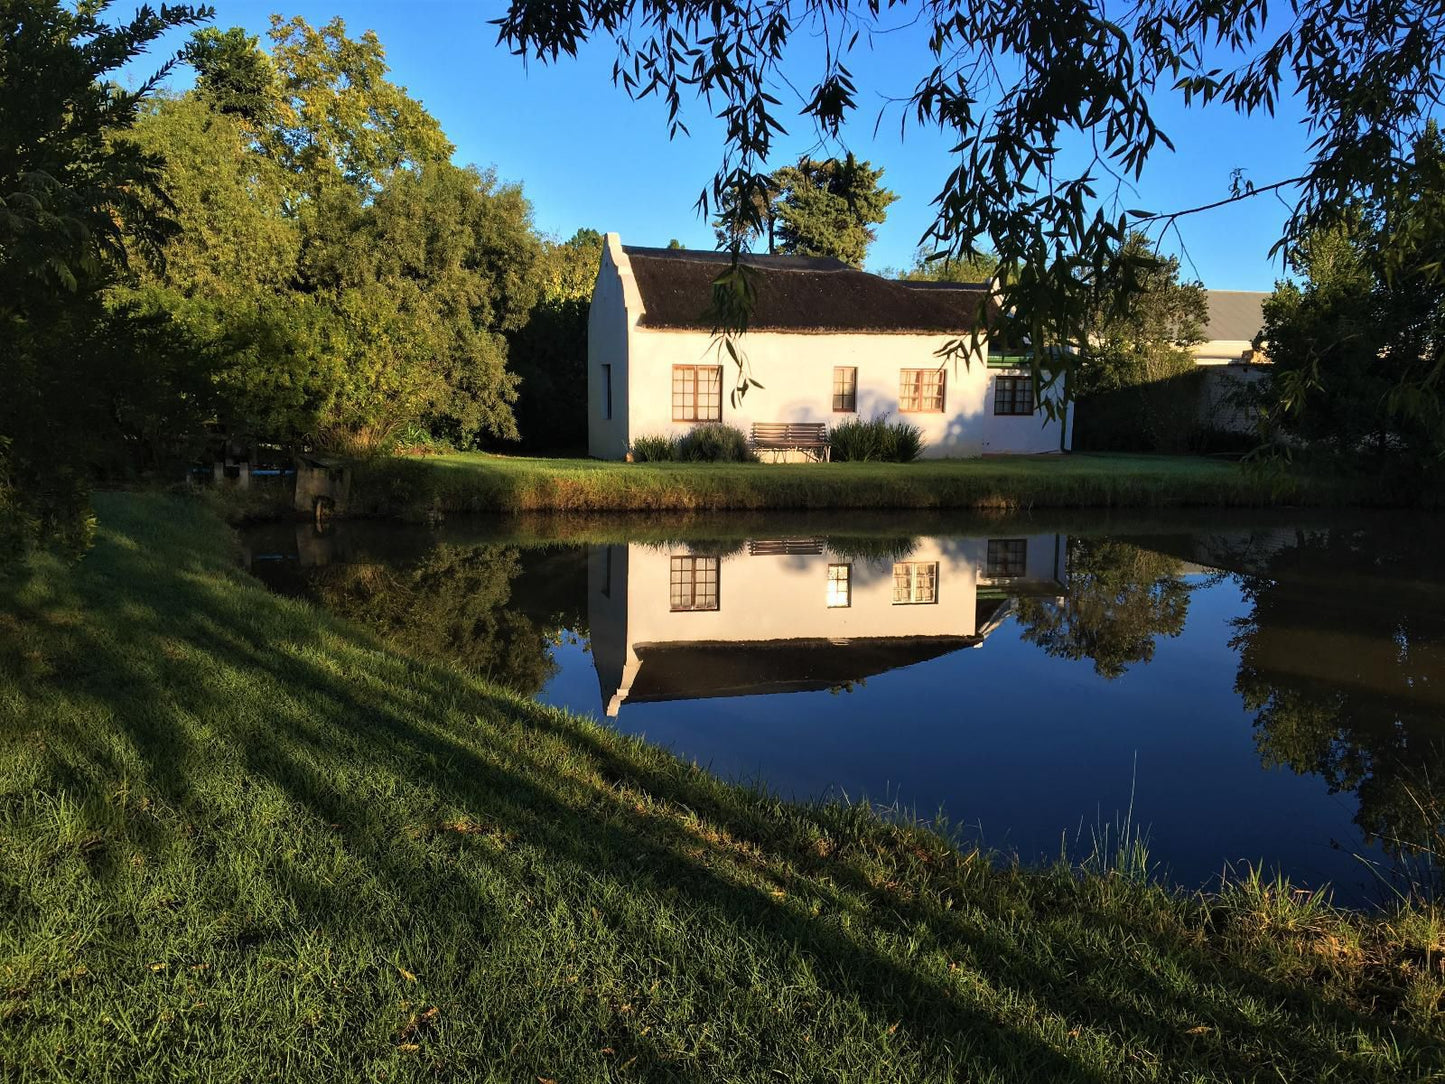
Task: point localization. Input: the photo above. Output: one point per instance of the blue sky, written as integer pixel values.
(587, 155)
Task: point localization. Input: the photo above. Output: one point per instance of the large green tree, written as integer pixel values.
(1137, 383)
(1016, 90)
(824, 207)
(72, 186)
(347, 278)
(1358, 349)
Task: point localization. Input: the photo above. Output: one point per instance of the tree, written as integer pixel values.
(1357, 351)
(347, 279)
(1015, 89)
(1343, 679)
(1136, 383)
(820, 208)
(928, 268)
(1121, 599)
(72, 186)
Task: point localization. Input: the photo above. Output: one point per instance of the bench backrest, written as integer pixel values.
(790, 433)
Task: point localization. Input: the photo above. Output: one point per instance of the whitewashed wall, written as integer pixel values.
(784, 597)
(796, 371)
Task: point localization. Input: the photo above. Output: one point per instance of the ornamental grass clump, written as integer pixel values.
(876, 441)
(659, 448)
(715, 443)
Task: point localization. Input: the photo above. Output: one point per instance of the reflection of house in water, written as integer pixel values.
(794, 615)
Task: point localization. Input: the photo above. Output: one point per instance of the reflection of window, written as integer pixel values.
(1007, 557)
(840, 586)
(845, 389)
(920, 391)
(694, 583)
(697, 393)
(1013, 395)
(915, 581)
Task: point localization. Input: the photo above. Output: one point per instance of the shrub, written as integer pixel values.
(654, 449)
(715, 443)
(876, 441)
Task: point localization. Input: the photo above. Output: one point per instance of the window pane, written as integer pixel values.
(921, 390)
(840, 586)
(694, 583)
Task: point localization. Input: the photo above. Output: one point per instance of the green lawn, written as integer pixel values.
(477, 482)
(242, 840)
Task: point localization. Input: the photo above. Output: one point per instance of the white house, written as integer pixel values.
(827, 342)
(793, 615)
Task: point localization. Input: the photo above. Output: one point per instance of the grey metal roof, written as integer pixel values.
(1236, 315)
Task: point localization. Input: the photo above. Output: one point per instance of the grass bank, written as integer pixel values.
(476, 482)
(241, 839)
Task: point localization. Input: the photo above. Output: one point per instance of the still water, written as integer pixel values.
(1255, 690)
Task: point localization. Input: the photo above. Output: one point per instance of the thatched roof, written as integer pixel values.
(800, 294)
(701, 670)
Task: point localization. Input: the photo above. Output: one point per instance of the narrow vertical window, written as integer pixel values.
(606, 571)
(845, 389)
(915, 582)
(920, 391)
(840, 586)
(607, 391)
(697, 393)
(694, 583)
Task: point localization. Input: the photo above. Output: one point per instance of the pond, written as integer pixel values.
(1243, 689)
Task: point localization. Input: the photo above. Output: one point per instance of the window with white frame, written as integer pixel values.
(694, 582)
(915, 582)
(840, 586)
(697, 393)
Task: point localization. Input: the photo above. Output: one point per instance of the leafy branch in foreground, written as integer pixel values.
(1014, 86)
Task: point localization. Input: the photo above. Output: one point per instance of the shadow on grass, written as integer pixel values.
(572, 898)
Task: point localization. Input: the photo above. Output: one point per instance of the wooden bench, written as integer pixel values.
(810, 438)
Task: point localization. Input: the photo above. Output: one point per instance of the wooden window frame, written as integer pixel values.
(911, 388)
(913, 568)
(680, 400)
(845, 401)
(1006, 394)
(846, 580)
(1004, 555)
(683, 569)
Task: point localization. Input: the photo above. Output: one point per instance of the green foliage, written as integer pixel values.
(1357, 351)
(346, 279)
(73, 185)
(548, 353)
(930, 267)
(233, 75)
(1121, 599)
(1136, 382)
(875, 441)
(661, 448)
(1339, 681)
(715, 442)
(816, 208)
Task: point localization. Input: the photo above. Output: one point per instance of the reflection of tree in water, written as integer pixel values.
(1121, 598)
(1342, 659)
(457, 603)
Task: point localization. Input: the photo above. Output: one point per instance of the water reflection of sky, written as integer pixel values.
(1027, 753)
(1022, 741)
